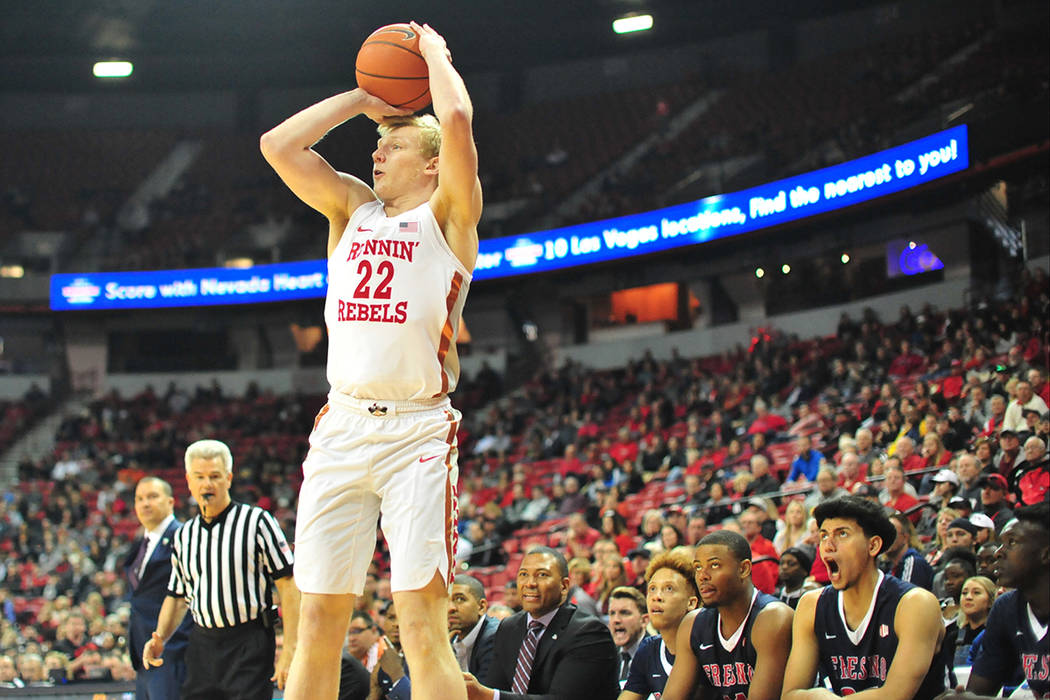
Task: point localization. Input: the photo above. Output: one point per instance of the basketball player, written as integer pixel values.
(867, 631)
(736, 646)
(400, 258)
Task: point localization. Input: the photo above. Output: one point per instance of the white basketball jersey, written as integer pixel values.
(395, 295)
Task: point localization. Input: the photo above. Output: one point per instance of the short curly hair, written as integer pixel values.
(676, 560)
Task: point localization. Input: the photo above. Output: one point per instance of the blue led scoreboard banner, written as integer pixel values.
(708, 219)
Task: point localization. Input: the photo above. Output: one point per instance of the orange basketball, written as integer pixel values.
(390, 67)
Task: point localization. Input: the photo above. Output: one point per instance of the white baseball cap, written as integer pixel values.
(946, 475)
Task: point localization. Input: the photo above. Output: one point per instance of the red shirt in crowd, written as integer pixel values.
(764, 573)
(902, 503)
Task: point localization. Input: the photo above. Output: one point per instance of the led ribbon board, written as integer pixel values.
(720, 216)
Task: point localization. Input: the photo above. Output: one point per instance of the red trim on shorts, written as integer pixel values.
(446, 332)
(451, 503)
(320, 415)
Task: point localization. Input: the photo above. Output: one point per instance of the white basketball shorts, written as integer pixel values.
(366, 458)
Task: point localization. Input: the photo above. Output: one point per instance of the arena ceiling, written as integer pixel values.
(50, 45)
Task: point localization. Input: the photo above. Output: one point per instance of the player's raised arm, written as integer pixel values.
(458, 197)
(288, 148)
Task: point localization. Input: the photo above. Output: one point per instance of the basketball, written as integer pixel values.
(390, 67)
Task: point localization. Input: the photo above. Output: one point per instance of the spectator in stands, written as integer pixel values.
(969, 472)
(1040, 384)
(795, 564)
(893, 494)
(905, 452)
(573, 501)
(1026, 398)
(1030, 479)
(32, 672)
(1009, 453)
(765, 422)
(975, 602)
(731, 602)
(580, 534)
(794, 530)
(537, 507)
(581, 587)
(650, 527)
(866, 450)
(903, 558)
(613, 575)
(628, 619)
(945, 486)
(365, 640)
(807, 461)
(695, 529)
(983, 450)
(993, 500)
(764, 559)
(996, 415)
(579, 658)
(670, 594)
(827, 488)
(851, 472)
(961, 565)
(986, 561)
(763, 482)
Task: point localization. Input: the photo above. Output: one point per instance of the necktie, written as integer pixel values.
(140, 555)
(625, 665)
(523, 670)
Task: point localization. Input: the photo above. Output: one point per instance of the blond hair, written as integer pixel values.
(208, 450)
(429, 131)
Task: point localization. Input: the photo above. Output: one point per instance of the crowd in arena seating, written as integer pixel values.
(942, 415)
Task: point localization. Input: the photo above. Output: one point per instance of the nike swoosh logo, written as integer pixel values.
(706, 646)
(427, 459)
(363, 230)
(830, 636)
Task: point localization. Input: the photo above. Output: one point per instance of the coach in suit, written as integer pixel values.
(550, 650)
(148, 568)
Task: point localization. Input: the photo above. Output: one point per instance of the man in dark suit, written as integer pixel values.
(550, 650)
(474, 632)
(148, 567)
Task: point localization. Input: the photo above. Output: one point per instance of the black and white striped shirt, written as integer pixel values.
(225, 569)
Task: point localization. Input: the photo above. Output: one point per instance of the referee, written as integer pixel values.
(223, 563)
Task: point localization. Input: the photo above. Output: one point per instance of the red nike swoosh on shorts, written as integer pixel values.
(427, 459)
(363, 230)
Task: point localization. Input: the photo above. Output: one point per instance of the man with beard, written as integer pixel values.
(867, 629)
(738, 642)
(628, 619)
(671, 593)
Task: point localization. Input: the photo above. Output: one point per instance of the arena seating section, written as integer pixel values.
(119, 439)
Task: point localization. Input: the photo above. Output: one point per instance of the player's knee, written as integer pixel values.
(324, 615)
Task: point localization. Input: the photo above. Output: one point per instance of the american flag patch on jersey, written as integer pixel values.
(884, 630)
(408, 227)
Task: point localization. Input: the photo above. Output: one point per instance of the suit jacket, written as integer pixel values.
(481, 654)
(146, 601)
(478, 663)
(576, 658)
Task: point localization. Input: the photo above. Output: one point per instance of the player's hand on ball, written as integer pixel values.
(429, 40)
(377, 110)
(153, 651)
